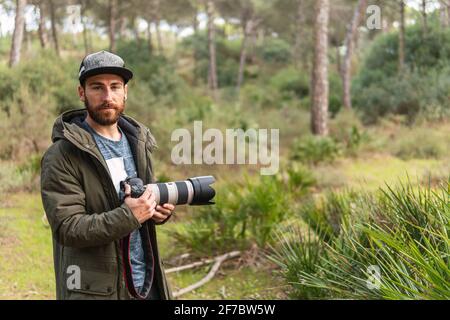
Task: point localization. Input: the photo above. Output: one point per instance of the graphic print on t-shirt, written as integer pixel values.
(117, 171)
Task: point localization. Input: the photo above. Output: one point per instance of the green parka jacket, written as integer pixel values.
(87, 220)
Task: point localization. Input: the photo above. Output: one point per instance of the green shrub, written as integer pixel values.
(12, 178)
(275, 50)
(404, 232)
(265, 205)
(217, 228)
(290, 83)
(420, 143)
(300, 180)
(379, 89)
(259, 96)
(347, 129)
(314, 149)
(227, 57)
(241, 216)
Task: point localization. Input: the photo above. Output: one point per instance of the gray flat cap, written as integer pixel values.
(103, 62)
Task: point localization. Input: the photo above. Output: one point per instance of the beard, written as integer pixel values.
(105, 114)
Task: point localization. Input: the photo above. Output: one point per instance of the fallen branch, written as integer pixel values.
(218, 261)
(189, 266)
(177, 259)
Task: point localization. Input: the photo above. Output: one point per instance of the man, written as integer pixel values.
(104, 242)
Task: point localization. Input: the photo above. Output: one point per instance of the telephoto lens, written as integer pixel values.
(192, 191)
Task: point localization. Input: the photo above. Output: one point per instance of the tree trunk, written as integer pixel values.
(149, 37)
(247, 28)
(212, 71)
(112, 7)
(122, 26)
(83, 23)
(299, 61)
(443, 14)
(401, 38)
(27, 37)
(447, 5)
(195, 23)
(158, 37)
(424, 17)
(319, 108)
(338, 59)
(135, 30)
(54, 27)
(349, 48)
(41, 26)
(17, 39)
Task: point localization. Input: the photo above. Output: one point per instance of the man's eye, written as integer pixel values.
(96, 88)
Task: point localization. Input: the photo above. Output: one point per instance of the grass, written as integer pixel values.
(403, 231)
(26, 263)
(26, 260)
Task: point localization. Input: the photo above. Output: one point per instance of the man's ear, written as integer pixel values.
(125, 88)
(81, 93)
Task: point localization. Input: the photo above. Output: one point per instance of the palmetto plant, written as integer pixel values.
(403, 232)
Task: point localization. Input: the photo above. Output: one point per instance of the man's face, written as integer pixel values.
(104, 96)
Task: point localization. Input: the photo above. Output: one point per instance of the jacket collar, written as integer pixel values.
(68, 126)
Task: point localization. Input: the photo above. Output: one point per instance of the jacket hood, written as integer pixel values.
(68, 126)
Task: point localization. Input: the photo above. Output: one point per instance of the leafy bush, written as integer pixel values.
(314, 149)
(25, 110)
(347, 129)
(13, 178)
(275, 50)
(260, 96)
(420, 143)
(379, 88)
(227, 57)
(404, 232)
(237, 219)
(290, 83)
(300, 179)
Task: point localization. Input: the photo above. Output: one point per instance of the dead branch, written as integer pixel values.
(189, 266)
(218, 261)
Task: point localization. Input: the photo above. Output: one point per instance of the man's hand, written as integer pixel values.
(163, 212)
(143, 208)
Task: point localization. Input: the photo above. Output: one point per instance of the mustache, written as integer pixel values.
(107, 105)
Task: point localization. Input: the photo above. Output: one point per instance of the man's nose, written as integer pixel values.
(108, 95)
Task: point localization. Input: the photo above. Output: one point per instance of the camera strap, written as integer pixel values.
(149, 269)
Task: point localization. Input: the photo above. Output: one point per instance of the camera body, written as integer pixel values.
(192, 191)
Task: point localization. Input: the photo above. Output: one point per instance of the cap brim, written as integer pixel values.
(125, 73)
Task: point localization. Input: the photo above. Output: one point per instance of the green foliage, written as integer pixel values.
(13, 178)
(420, 143)
(259, 96)
(25, 110)
(43, 75)
(237, 219)
(274, 50)
(380, 89)
(347, 129)
(300, 180)
(315, 149)
(403, 231)
(290, 82)
(227, 57)
(265, 206)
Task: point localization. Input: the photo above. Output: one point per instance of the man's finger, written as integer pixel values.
(159, 216)
(163, 210)
(169, 206)
(146, 194)
(127, 191)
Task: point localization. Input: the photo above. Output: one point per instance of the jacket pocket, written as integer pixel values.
(94, 283)
(91, 280)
